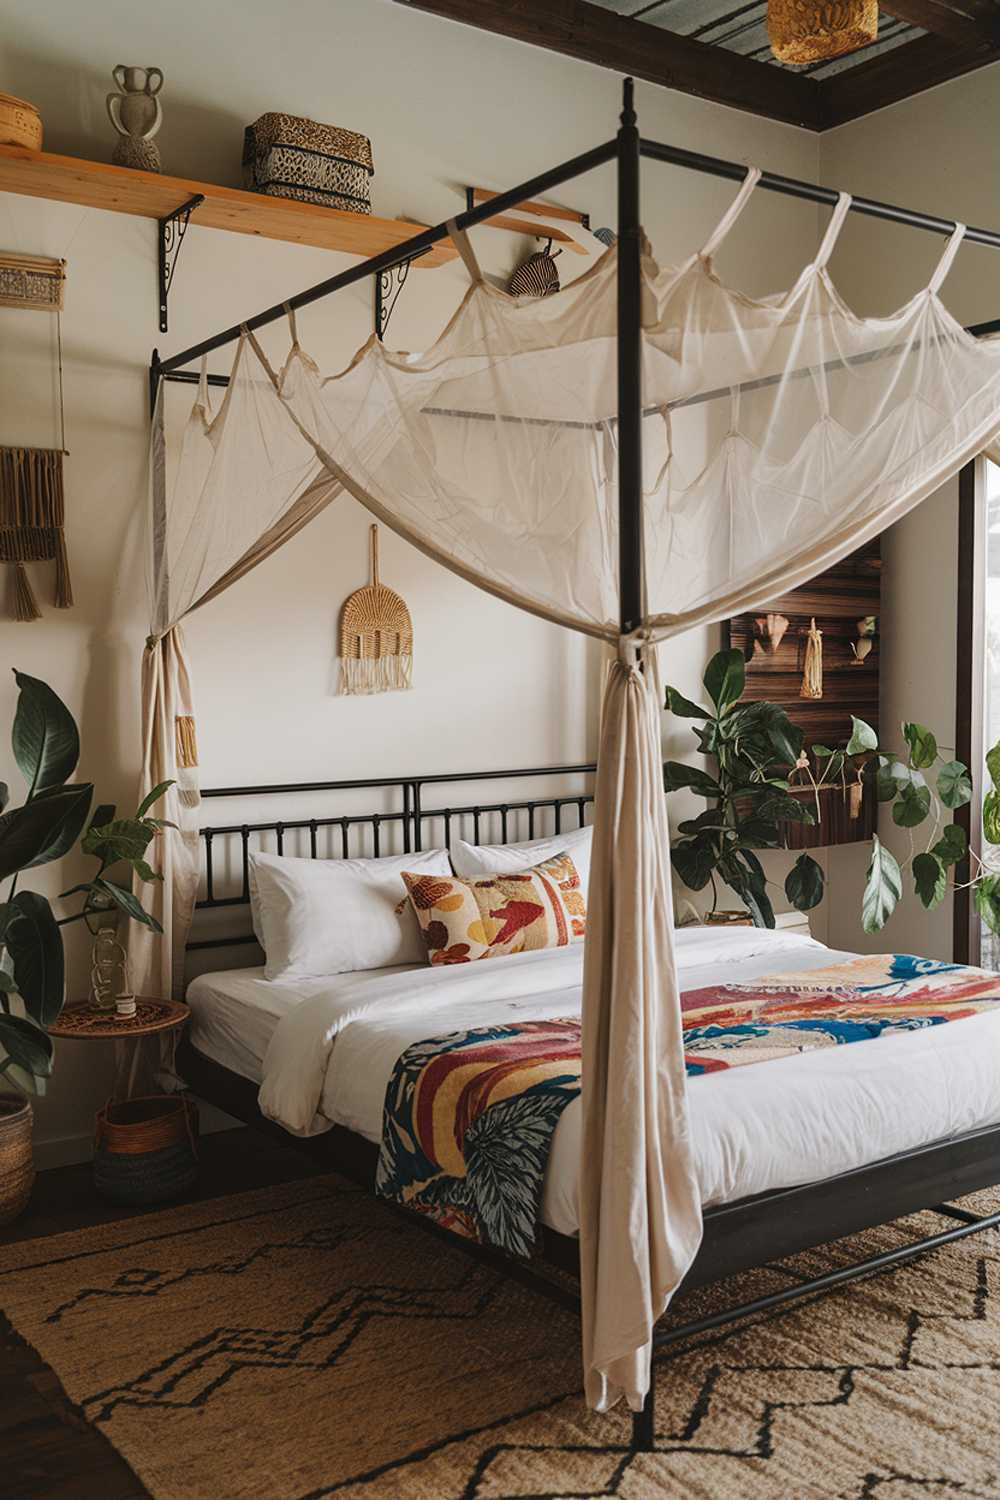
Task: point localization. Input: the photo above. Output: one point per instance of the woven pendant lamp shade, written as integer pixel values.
(808, 31)
(376, 637)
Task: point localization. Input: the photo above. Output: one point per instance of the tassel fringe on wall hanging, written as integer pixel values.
(812, 676)
(32, 516)
(376, 637)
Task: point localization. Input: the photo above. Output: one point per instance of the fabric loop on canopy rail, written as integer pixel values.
(732, 213)
(833, 230)
(463, 245)
(945, 263)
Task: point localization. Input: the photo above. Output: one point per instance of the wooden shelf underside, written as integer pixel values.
(150, 195)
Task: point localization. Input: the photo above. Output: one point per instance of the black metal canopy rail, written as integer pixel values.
(696, 161)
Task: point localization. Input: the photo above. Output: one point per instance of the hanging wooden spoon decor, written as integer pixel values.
(376, 637)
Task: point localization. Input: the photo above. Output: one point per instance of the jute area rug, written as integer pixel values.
(303, 1341)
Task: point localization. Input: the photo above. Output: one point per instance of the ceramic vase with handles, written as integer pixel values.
(136, 114)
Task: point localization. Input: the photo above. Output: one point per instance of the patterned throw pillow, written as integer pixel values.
(462, 920)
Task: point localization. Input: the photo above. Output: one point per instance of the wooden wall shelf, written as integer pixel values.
(150, 195)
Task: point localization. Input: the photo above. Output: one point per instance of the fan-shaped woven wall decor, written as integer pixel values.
(376, 637)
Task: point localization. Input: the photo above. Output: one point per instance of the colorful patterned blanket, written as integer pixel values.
(469, 1117)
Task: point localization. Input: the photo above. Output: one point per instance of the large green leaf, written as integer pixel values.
(954, 785)
(804, 883)
(883, 889)
(43, 829)
(44, 738)
(128, 903)
(911, 805)
(863, 737)
(725, 678)
(991, 817)
(677, 775)
(676, 702)
(952, 846)
(922, 743)
(993, 765)
(930, 879)
(781, 807)
(987, 897)
(36, 953)
(125, 838)
(745, 874)
(712, 817)
(694, 860)
(158, 791)
(26, 1045)
(4, 795)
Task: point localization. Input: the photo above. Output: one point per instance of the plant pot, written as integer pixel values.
(17, 1166)
(146, 1149)
(728, 919)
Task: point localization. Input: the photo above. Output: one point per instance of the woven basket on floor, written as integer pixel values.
(17, 1166)
(145, 1150)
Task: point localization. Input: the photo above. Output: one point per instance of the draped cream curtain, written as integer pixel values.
(778, 435)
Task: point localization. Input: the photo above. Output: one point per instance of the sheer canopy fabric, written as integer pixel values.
(779, 433)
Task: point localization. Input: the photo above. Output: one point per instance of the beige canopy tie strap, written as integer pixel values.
(732, 213)
(290, 314)
(252, 340)
(833, 229)
(461, 242)
(944, 264)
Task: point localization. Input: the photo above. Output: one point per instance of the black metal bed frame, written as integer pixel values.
(777, 1224)
(411, 819)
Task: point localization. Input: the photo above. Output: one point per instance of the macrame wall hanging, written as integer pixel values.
(376, 637)
(812, 675)
(32, 505)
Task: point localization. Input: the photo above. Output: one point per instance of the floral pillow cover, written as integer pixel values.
(493, 915)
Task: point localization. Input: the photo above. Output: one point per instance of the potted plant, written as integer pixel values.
(54, 817)
(761, 773)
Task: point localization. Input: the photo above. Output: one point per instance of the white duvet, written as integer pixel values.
(328, 1048)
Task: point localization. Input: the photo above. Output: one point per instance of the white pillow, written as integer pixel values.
(502, 859)
(315, 917)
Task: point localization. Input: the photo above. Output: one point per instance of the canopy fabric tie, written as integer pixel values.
(732, 213)
(631, 646)
(462, 244)
(833, 229)
(290, 314)
(944, 264)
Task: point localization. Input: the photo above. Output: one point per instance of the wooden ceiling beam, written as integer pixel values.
(595, 35)
(896, 75)
(965, 23)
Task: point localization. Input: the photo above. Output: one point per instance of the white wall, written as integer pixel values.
(939, 152)
(444, 106)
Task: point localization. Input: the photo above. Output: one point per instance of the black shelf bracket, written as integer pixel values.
(388, 285)
(172, 230)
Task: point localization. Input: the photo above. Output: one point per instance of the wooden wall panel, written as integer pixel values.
(837, 600)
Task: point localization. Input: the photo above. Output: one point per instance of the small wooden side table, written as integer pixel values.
(84, 1021)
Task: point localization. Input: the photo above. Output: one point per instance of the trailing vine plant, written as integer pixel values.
(760, 773)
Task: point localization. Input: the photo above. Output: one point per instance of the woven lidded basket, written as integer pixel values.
(285, 156)
(17, 1165)
(145, 1150)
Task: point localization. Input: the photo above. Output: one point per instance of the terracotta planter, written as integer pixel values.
(17, 1166)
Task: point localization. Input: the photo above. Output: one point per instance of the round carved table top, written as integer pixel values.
(84, 1020)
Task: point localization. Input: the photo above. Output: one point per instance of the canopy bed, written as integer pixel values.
(641, 452)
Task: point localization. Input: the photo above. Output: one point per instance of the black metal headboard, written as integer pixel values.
(330, 837)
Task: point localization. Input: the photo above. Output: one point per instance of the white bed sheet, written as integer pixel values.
(754, 1129)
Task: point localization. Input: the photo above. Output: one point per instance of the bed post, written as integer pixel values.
(630, 457)
(629, 369)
